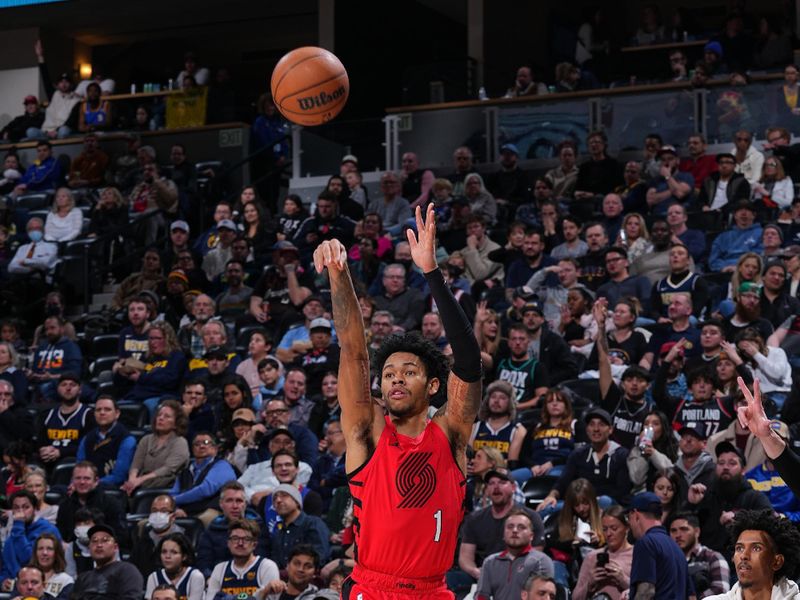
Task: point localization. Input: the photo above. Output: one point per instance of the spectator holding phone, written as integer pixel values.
(607, 570)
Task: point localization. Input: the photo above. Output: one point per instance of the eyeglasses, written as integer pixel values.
(237, 539)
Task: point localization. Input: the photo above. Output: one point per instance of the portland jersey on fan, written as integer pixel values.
(408, 502)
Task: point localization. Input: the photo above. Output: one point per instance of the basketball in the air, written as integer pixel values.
(310, 86)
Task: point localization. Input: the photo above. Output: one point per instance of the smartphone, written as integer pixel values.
(602, 558)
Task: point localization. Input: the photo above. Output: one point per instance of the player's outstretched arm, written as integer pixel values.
(354, 375)
(464, 383)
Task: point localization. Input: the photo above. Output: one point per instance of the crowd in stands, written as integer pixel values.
(193, 448)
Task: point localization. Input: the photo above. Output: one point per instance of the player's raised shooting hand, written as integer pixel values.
(752, 415)
(423, 242)
(331, 254)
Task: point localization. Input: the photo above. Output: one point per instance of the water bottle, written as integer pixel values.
(133, 88)
(647, 435)
(482, 94)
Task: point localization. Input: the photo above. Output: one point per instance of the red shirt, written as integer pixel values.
(700, 168)
(408, 502)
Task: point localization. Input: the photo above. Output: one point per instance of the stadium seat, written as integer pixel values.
(134, 416)
(62, 473)
(34, 201)
(192, 527)
(584, 391)
(101, 364)
(537, 488)
(104, 345)
(142, 499)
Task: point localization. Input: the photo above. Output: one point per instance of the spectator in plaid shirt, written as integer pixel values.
(709, 569)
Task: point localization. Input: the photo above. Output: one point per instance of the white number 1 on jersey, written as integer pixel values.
(438, 516)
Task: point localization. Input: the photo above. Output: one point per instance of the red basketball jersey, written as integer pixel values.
(408, 502)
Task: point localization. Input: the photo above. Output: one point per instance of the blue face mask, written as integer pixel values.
(35, 235)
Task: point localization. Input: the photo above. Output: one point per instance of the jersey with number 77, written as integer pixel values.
(408, 503)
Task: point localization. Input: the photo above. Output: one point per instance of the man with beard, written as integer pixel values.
(521, 270)
(524, 373)
(776, 304)
(670, 185)
(573, 246)
(132, 344)
(503, 574)
(283, 286)
(626, 406)
(704, 408)
(695, 464)
(64, 426)
(496, 418)
(482, 531)
(510, 183)
(190, 336)
(297, 340)
(708, 569)
(325, 224)
(679, 327)
(593, 262)
(655, 264)
(548, 347)
(601, 173)
(765, 557)
(55, 356)
(699, 164)
(717, 504)
(621, 284)
(681, 279)
(747, 313)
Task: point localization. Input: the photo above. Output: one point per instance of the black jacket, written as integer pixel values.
(557, 360)
(738, 189)
(97, 499)
(18, 126)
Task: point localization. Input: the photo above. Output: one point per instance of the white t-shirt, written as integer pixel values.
(721, 197)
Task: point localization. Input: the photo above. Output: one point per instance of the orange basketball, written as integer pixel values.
(310, 86)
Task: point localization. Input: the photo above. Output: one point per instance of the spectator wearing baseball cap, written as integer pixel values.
(602, 462)
(723, 188)
(671, 185)
(511, 184)
(728, 492)
(109, 572)
(216, 259)
(17, 128)
(547, 347)
(321, 357)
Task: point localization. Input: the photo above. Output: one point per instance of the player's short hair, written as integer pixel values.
(436, 364)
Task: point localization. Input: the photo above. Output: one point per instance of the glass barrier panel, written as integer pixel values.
(537, 129)
(434, 135)
(324, 146)
(753, 107)
(628, 119)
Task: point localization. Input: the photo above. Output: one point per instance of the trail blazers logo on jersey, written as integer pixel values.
(415, 480)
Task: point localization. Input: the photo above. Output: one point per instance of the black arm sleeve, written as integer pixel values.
(788, 465)
(466, 352)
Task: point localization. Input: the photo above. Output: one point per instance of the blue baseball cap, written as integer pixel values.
(646, 502)
(509, 148)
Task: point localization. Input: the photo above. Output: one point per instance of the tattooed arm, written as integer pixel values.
(359, 425)
(464, 381)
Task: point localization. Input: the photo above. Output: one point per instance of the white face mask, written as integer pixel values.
(158, 520)
(82, 533)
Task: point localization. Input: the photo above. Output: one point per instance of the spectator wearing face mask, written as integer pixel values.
(147, 535)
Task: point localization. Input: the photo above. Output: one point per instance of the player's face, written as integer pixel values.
(405, 385)
(755, 558)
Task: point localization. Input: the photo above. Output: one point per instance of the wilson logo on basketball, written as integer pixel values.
(323, 98)
(415, 480)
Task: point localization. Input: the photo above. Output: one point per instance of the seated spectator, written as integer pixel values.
(325, 224)
(679, 327)
(30, 582)
(579, 528)
(64, 221)
(526, 374)
(162, 454)
(297, 526)
(621, 283)
(655, 451)
(164, 366)
(183, 172)
(109, 446)
(86, 494)
(215, 260)
(393, 209)
(487, 332)
(48, 557)
(481, 202)
(285, 468)
(258, 348)
(747, 313)
(149, 278)
(258, 231)
(462, 160)
(271, 374)
(35, 482)
(154, 194)
(727, 493)
(518, 559)
(63, 426)
(772, 241)
(681, 279)
(109, 214)
(612, 577)
(18, 547)
(774, 189)
(693, 239)
(13, 423)
(479, 267)
(59, 120)
(283, 286)
(524, 85)
(259, 480)
(12, 173)
(44, 174)
(304, 560)
(33, 117)
(724, 188)
(633, 236)
(246, 572)
(709, 569)
(671, 185)
(405, 303)
(545, 450)
(196, 487)
(564, 176)
(749, 161)
(323, 356)
(601, 173)
(533, 259)
(77, 555)
(211, 548)
(776, 303)
(278, 416)
(698, 164)
(176, 557)
(568, 77)
(655, 264)
(297, 340)
(293, 212)
(149, 532)
(767, 364)
(235, 300)
(95, 112)
(111, 578)
(199, 74)
(607, 472)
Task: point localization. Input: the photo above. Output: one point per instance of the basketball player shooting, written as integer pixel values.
(406, 471)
